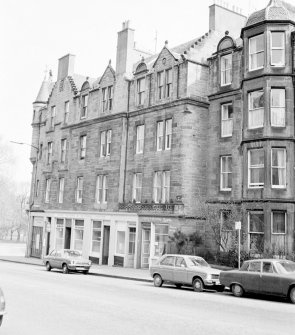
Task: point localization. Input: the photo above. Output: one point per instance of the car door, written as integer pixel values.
(251, 279)
(58, 260)
(167, 268)
(52, 259)
(270, 281)
(180, 271)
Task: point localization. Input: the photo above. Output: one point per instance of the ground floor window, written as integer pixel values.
(96, 236)
(59, 234)
(256, 231)
(120, 245)
(161, 239)
(132, 234)
(78, 235)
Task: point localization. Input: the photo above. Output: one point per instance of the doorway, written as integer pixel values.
(146, 244)
(47, 243)
(105, 246)
(68, 234)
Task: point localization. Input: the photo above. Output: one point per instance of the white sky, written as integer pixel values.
(35, 33)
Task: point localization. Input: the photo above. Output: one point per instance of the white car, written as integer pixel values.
(186, 270)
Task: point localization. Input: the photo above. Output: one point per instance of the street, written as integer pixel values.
(40, 302)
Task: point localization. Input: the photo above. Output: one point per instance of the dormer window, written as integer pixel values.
(256, 52)
(277, 57)
(161, 85)
(84, 106)
(140, 91)
(107, 98)
(226, 69)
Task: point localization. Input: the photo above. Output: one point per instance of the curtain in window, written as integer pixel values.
(278, 167)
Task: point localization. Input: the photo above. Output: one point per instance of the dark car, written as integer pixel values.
(185, 270)
(264, 276)
(2, 306)
(67, 260)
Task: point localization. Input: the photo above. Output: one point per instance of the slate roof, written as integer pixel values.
(275, 10)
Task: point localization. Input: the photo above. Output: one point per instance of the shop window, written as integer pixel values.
(256, 109)
(120, 245)
(278, 167)
(96, 236)
(226, 120)
(59, 234)
(256, 168)
(225, 173)
(78, 235)
(256, 231)
(256, 52)
(161, 239)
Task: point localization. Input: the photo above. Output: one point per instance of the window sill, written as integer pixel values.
(225, 190)
(226, 137)
(225, 85)
(278, 127)
(279, 188)
(258, 68)
(254, 128)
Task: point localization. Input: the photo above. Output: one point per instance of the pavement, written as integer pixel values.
(97, 270)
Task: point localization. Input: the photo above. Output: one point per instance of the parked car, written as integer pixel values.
(185, 270)
(2, 306)
(264, 276)
(67, 260)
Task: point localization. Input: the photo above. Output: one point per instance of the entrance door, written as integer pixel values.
(48, 243)
(146, 243)
(36, 245)
(105, 246)
(68, 234)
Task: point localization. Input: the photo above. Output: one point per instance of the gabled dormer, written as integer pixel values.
(107, 84)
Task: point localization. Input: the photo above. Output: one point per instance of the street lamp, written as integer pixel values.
(30, 145)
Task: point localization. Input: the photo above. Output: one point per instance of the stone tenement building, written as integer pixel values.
(119, 161)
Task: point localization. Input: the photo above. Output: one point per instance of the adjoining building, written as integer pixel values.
(119, 160)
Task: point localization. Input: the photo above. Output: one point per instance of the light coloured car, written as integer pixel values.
(185, 270)
(2, 306)
(67, 260)
(264, 276)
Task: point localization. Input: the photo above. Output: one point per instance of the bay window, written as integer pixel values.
(256, 231)
(277, 55)
(256, 52)
(278, 167)
(278, 107)
(256, 168)
(256, 109)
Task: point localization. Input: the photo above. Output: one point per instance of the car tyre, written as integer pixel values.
(65, 269)
(198, 285)
(158, 281)
(292, 295)
(1, 319)
(237, 290)
(48, 266)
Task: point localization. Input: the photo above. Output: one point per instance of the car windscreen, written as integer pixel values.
(286, 267)
(72, 254)
(196, 261)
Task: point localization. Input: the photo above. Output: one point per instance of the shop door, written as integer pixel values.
(106, 244)
(146, 244)
(48, 243)
(36, 245)
(68, 234)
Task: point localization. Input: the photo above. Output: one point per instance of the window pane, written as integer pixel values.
(120, 242)
(277, 39)
(278, 222)
(256, 222)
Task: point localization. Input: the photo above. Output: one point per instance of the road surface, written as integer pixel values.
(51, 303)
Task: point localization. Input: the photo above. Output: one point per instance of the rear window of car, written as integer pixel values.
(286, 266)
(169, 260)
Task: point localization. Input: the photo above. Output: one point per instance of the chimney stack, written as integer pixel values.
(66, 66)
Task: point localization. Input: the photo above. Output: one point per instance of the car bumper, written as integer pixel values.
(212, 282)
(78, 267)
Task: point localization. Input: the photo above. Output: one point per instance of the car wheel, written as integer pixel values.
(178, 285)
(198, 285)
(48, 266)
(1, 319)
(237, 290)
(65, 269)
(292, 295)
(86, 272)
(158, 281)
